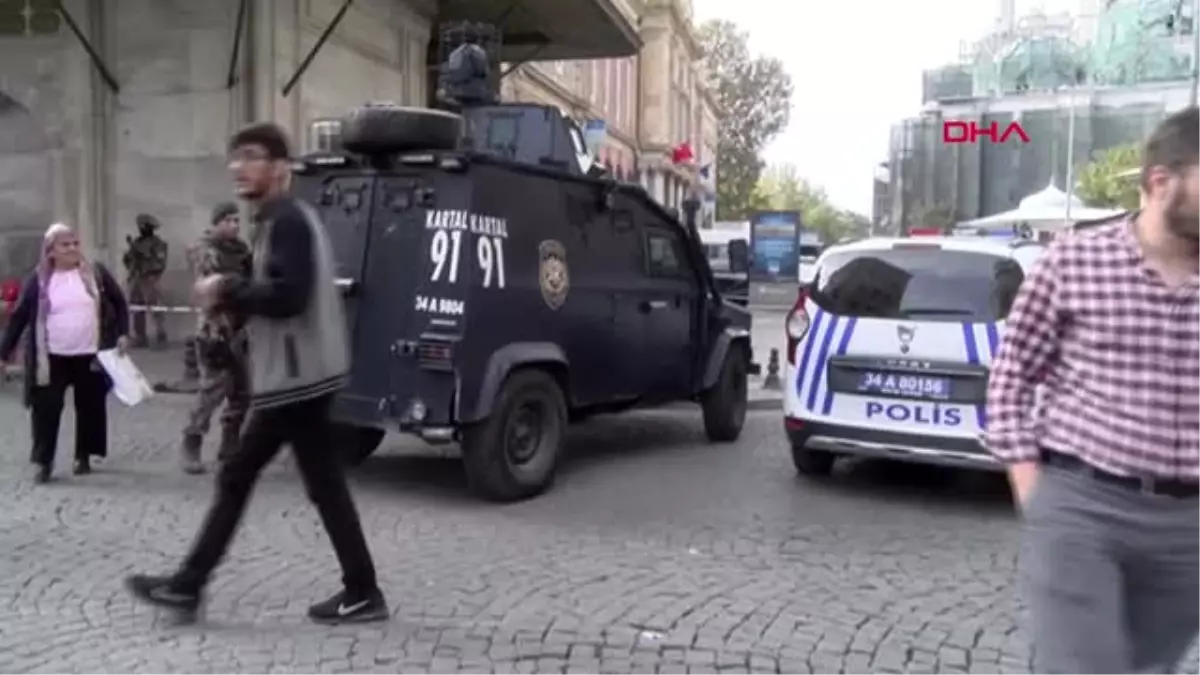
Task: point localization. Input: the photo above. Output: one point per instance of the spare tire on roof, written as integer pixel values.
(385, 129)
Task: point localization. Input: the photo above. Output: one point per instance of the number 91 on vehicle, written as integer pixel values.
(904, 384)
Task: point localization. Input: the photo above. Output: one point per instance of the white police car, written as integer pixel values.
(888, 349)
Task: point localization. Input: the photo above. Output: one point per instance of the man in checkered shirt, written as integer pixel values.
(1105, 468)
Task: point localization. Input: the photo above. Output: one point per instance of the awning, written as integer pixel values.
(549, 30)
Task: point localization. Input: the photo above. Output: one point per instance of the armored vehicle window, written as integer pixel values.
(502, 131)
(665, 256)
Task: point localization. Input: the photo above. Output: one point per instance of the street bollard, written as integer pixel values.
(771, 381)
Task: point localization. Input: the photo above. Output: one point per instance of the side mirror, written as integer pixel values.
(739, 256)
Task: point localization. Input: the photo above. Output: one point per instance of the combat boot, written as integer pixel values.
(230, 442)
(191, 454)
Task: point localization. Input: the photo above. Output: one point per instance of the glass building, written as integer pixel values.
(1129, 66)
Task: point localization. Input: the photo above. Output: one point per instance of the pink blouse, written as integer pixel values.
(72, 324)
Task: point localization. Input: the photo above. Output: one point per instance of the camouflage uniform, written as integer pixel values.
(145, 261)
(221, 346)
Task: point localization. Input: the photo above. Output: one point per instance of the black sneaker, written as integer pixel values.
(346, 608)
(163, 592)
(41, 473)
(82, 467)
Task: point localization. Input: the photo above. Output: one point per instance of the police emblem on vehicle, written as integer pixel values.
(905, 334)
(553, 276)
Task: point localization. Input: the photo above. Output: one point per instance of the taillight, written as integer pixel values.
(797, 324)
(433, 355)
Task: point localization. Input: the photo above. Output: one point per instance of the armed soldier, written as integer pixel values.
(145, 262)
(220, 343)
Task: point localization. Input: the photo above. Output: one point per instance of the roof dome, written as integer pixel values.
(1050, 197)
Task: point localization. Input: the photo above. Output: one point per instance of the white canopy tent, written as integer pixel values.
(1046, 209)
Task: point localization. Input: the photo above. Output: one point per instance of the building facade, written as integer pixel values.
(651, 104)
(1075, 85)
(132, 115)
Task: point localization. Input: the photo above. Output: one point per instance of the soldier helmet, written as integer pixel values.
(222, 211)
(147, 221)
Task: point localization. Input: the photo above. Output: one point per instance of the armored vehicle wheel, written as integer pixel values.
(512, 454)
(812, 462)
(356, 444)
(724, 403)
(386, 130)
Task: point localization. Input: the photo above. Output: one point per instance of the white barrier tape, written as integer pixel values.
(184, 309)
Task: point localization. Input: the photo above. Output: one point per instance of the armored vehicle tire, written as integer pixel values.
(386, 130)
(724, 404)
(513, 454)
(812, 462)
(356, 444)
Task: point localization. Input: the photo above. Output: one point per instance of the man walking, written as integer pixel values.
(145, 261)
(220, 341)
(1106, 469)
(298, 360)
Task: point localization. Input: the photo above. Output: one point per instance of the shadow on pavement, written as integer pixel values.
(596, 441)
(917, 484)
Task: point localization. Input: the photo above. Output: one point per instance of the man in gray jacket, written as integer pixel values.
(299, 358)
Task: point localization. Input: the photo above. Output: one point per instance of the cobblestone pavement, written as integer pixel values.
(655, 552)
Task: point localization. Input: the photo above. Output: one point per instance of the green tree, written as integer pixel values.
(780, 188)
(933, 215)
(754, 96)
(1101, 182)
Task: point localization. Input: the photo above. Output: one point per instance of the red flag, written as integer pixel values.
(682, 153)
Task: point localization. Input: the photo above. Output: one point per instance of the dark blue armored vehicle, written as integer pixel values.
(498, 288)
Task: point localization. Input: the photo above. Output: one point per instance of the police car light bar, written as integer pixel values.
(925, 232)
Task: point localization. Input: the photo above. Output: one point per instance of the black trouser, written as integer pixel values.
(306, 427)
(89, 384)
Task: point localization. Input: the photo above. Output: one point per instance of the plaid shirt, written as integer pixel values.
(1113, 356)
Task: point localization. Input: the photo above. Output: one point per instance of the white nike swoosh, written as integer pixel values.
(343, 610)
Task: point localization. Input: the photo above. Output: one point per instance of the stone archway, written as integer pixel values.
(25, 190)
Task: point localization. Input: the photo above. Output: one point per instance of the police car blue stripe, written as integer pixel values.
(973, 359)
(813, 332)
(993, 336)
(822, 359)
(843, 344)
(969, 341)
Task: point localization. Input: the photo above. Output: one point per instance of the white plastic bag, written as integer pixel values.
(129, 385)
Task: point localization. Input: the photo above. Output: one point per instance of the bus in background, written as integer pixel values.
(811, 248)
(716, 242)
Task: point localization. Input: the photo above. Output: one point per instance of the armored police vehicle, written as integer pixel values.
(888, 349)
(499, 286)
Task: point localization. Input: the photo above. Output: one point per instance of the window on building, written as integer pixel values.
(619, 90)
(627, 81)
(605, 91)
(29, 17)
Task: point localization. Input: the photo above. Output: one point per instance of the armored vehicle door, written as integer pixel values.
(377, 228)
(667, 304)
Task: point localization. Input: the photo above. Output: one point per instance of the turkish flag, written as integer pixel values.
(10, 292)
(682, 154)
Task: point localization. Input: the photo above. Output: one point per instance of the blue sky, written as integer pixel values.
(857, 70)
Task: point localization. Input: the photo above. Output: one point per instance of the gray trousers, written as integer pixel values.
(1111, 576)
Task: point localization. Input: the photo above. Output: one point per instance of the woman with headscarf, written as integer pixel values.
(69, 310)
